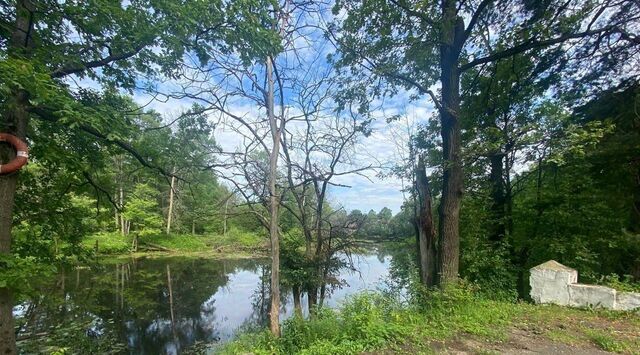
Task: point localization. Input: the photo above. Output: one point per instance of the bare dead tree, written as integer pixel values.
(251, 100)
(314, 162)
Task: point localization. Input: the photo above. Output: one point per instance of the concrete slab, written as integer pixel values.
(582, 295)
(627, 301)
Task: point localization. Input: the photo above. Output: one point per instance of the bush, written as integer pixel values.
(366, 321)
(625, 284)
(178, 242)
(108, 243)
(239, 239)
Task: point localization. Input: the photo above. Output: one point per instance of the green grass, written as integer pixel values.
(234, 243)
(178, 242)
(108, 243)
(370, 322)
(607, 341)
(239, 240)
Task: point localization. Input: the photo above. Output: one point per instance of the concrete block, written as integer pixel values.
(549, 282)
(627, 301)
(581, 295)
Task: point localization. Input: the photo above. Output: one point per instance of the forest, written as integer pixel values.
(315, 177)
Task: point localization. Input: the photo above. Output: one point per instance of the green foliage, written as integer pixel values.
(22, 274)
(364, 322)
(370, 321)
(142, 211)
(237, 238)
(483, 263)
(107, 243)
(180, 242)
(626, 283)
(383, 225)
(51, 222)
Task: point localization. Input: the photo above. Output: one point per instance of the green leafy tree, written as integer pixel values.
(390, 45)
(45, 43)
(142, 210)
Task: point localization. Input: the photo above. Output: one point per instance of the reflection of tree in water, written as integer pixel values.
(403, 266)
(130, 302)
(135, 295)
(194, 283)
(260, 302)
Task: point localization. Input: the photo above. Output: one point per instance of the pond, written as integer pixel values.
(164, 305)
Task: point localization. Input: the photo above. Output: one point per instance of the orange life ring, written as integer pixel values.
(22, 154)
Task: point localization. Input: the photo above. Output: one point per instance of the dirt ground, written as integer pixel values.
(547, 331)
(593, 334)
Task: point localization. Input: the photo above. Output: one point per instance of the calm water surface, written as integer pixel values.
(207, 301)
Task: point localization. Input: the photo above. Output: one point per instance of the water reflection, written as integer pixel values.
(165, 305)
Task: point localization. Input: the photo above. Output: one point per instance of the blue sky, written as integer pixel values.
(386, 145)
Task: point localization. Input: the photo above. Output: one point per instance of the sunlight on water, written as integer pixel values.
(209, 300)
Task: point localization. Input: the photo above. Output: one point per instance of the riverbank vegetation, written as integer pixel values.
(457, 319)
(232, 127)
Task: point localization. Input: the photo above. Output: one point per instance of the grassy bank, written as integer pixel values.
(234, 243)
(447, 322)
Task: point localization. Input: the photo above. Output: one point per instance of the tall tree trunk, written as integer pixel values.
(318, 269)
(123, 222)
(170, 212)
(117, 215)
(426, 228)
(297, 304)
(312, 299)
(274, 315)
(635, 208)
(15, 122)
(449, 243)
(224, 225)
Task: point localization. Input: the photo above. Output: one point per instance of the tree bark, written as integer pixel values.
(224, 225)
(170, 212)
(635, 209)
(297, 304)
(274, 313)
(449, 243)
(426, 228)
(15, 122)
(312, 298)
(123, 222)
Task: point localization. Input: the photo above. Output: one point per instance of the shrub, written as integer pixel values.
(364, 322)
(108, 243)
(178, 242)
(625, 283)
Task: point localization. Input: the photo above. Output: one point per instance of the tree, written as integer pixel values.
(415, 46)
(47, 42)
(313, 163)
(142, 211)
(426, 226)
